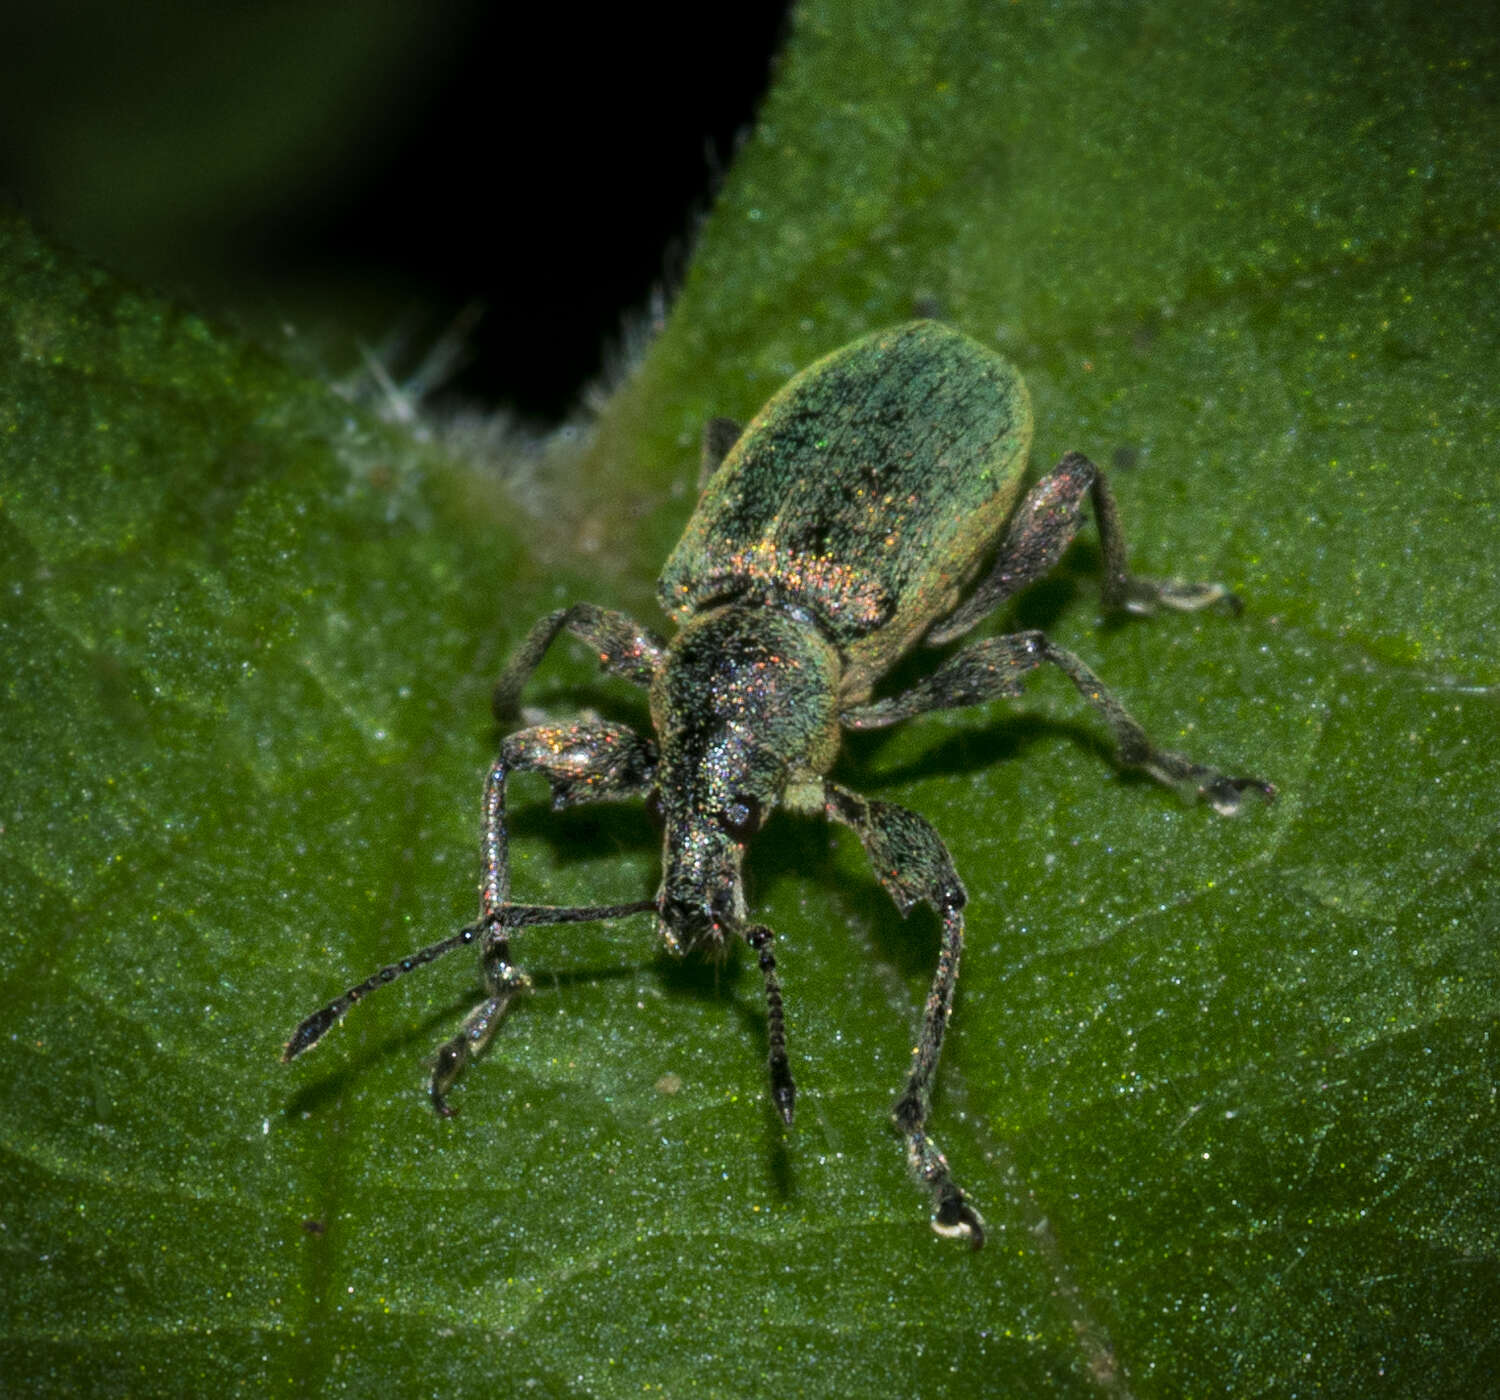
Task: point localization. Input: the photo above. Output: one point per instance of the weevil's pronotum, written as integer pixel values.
(869, 508)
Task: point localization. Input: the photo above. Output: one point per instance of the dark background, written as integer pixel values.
(364, 171)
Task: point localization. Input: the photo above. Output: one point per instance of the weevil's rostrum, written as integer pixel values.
(875, 504)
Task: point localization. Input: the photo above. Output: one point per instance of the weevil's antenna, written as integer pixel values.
(311, 1030)
(783, 1091)
(511, 916)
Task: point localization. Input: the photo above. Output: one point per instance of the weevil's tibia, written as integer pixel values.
(913, 864)
(1043, 526)
(783, 1091)
(622, 645)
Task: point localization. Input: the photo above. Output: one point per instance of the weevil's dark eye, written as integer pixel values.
(742, 817)
(656, 809)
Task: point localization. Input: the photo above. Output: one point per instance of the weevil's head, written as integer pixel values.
(745, 709)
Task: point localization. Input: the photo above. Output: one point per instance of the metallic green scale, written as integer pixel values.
(865, 493)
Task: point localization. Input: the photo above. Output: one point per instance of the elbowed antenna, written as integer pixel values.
(315, 1026)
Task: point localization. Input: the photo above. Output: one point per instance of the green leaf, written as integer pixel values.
(1223, 1089)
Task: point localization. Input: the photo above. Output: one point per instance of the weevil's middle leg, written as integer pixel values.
(913, 864)
(783, 1090)
(994, 667)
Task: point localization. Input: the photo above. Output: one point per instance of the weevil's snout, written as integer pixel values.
(682, 921)
(701, 903)
(714, 798)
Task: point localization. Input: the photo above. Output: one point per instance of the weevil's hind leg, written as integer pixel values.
(719, 435)
(912, 863)
(994, 667)
(624, 648)
(1042, 528)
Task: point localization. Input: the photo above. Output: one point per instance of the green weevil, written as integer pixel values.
(856, 517)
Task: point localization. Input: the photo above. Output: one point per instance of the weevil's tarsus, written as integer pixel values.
(623, 648)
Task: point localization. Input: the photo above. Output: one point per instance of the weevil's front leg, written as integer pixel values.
(583, 762)
(994, 667)
(1042, 528)
(624, 648)
(912, 863)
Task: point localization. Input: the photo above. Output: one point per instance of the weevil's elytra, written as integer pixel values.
(875, 504)
(866, 493)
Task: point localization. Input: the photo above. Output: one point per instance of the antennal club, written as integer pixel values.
(312, 1030)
